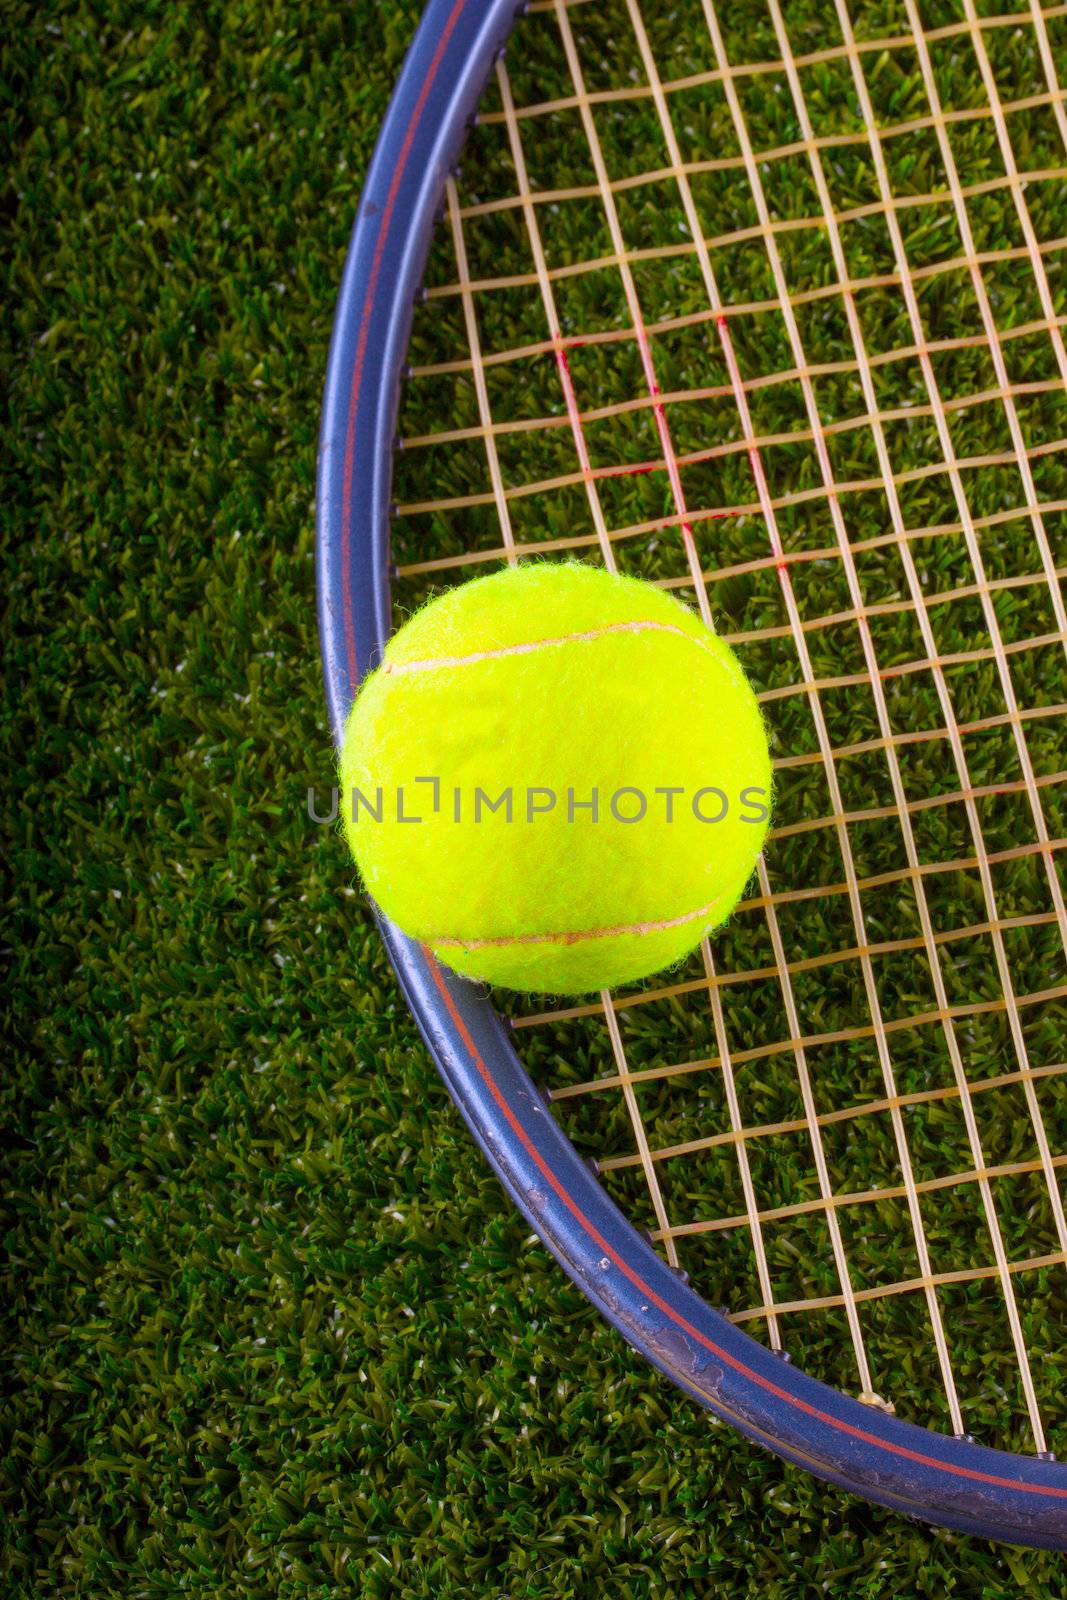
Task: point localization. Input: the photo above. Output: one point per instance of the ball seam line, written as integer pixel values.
(528, 647)
(576, 936)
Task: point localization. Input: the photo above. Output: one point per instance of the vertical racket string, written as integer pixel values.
(697, 238)
(648, 1166)
(607, 200)
(548, 300)
(608, 554)
(855, 592)
(752, 1217)
(478, 371)
(963, 509)
(715, 299)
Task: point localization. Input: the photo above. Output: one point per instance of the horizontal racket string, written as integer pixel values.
(769, 501)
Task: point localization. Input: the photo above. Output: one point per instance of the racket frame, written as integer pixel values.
(955, 1483)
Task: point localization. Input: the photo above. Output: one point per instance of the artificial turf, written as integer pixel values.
(271, 1327)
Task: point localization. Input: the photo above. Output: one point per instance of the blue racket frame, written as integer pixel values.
(952, 1482)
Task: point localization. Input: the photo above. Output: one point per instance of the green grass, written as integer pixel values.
(272, 1329)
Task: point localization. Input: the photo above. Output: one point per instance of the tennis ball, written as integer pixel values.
(558, 779)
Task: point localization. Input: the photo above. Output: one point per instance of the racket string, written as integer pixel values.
(544, 283)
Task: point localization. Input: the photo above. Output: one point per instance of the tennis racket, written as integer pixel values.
(764, 303)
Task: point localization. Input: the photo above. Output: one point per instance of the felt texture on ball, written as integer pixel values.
(569, 682)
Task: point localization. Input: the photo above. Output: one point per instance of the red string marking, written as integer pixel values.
(625, 470)
(780, 559)
(703, 515)
(364, 331)
(628, 469)
(669, 462)
(666, 442)
(572, 401)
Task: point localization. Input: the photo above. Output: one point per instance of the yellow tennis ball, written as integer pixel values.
(558, 779)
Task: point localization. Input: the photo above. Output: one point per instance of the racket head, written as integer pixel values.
(950, 1481)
